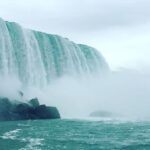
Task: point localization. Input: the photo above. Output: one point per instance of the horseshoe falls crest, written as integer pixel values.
(37, 58)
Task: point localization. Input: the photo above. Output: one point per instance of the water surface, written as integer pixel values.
(75, 135)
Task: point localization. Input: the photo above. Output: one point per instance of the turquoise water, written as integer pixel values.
(74, 135)
(37, 58)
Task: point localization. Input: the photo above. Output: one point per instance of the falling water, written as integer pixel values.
(37, 58)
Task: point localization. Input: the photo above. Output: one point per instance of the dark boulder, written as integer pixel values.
(34, 102)
(42, 112)
(23, 111)
(45, 112)
(5, 109)
(53, 111)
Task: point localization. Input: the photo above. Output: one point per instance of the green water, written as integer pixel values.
(74, 135)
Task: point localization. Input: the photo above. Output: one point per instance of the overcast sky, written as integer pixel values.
(119, 29)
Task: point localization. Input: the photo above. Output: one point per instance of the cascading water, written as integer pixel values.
(37, 58)
(47, 67)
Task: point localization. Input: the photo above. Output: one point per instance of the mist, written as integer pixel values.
(9, 87)
(125, 92)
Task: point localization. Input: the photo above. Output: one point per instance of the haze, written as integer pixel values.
(119, 29)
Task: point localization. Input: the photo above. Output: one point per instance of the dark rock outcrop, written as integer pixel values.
(34, 102)
(15, 110)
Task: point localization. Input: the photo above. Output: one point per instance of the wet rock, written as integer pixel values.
(34, 102)
(45, 112)
(53, 111)
(25, 111)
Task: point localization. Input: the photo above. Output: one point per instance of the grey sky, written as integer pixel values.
(120, 29)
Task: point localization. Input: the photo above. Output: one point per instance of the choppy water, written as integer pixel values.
(74, 135)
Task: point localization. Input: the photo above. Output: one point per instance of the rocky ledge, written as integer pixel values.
(16, 110)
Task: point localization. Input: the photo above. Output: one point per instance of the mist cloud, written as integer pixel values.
(125, 92)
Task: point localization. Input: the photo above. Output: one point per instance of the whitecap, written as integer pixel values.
(32, 143)
(11, 134)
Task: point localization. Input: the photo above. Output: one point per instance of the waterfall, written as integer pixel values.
(37, 58)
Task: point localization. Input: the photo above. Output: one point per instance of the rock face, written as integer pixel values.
(34, 102)
(24, 111)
